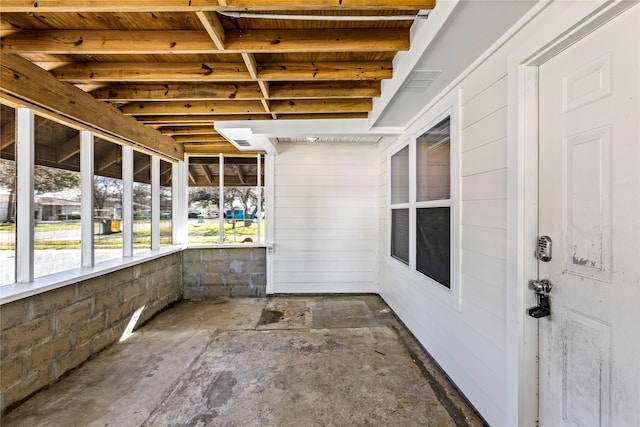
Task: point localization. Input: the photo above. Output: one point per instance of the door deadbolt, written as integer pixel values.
(543, 249)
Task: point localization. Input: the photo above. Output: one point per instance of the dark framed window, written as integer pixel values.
(433, 203)
(400, 205)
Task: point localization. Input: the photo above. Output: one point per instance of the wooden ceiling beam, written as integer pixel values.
(197, 107)
(210, 149)
(22, 80)
(7, 134)
(314, 71)
(101, 42)
(187, 120)
(178, 92)
(199, 138)
(107, 159)
(92, 72)
(206, 173)
(68, 149)
(205, 5)
(321, 90)
(188, 130)
(238, 171)
(214, 27)
(137, 72)
(304, 106)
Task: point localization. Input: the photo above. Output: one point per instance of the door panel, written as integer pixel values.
(589, 204)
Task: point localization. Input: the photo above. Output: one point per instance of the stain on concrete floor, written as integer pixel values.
(280, 361)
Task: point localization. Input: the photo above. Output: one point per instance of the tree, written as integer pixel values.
(52, 180)
(8, 182)
(105, 188)
(205, 197)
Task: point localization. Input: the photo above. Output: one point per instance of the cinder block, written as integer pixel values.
(34, 382)
(74, 358)
(91, 327)
(69, 317)
(119, 312)
(241, 291)
(122, 276)
(11, 371)
(132, 290)
(26, 335)
(106, 338)
(45, 354)
(52, 300)
(108, 299)
(195, 269)
(212, 280)
(15, 312)
(92, 287)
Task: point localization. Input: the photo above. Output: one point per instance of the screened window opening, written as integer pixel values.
(226, 200)
(433, 202)
(399, 205)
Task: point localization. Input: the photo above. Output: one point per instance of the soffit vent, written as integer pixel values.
(420, 80)
(242, 142)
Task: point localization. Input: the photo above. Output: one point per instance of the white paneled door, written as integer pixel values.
(589, 205)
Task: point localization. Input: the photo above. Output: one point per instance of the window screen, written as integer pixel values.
(433, 248)
(400, 176)
(400, 234)
(433, 163)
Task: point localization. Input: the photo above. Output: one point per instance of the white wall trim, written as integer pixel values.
(127, 201)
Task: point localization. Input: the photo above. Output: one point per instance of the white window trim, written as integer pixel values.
(401, 145)
(451, 108)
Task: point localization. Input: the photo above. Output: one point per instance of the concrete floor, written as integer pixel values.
(281, 361)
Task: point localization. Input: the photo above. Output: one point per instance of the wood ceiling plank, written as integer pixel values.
(62, 42)
(329, 40)
(23, 80)
(321, 90)
(200, 138)
(188, 130)
(210, 149)
(197, 107)
(179, 92)
(96, 42)
(311, 71)
(204, 5)
(214, 27)
(92, 72)
(68, 149)
(183, 120)
(304, 106)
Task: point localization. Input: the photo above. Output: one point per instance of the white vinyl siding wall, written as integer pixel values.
(325, 214)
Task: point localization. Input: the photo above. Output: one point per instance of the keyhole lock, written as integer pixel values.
(541, 288)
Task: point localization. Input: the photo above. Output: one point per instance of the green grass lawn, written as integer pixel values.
(199, 233)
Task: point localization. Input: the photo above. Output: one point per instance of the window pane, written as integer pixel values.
(240, 214)
(433, 163)
(400, 176)
(165, 203)
(400, 234)
(203, 223)
(56, 198)
(7, 196)
(141, 202)
(433, 244)
(107, 200)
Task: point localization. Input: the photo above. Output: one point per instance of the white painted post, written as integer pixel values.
(25, 156)
(86, 191)
(179, 195)
(259, 203)
(221, 203)
(127, 201)
(155, 203)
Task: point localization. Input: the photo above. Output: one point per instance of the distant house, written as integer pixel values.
(54, 208)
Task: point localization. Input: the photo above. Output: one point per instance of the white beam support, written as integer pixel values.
(86, 191)
(259, 203)
(127, 201)
(155, 203)
(221, 198)
(179, 201)
(25, 156)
